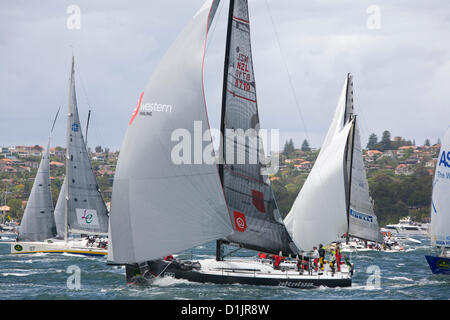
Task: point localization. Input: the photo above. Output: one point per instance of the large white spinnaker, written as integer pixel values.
(440, 205)
(161, 205)
(318, 215)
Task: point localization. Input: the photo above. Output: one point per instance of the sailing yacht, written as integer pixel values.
(160, 207)
(334, 200)
(80, 209)
(440, 212)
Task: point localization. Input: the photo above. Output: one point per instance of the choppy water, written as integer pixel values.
(403, 275)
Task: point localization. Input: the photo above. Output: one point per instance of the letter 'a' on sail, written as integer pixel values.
(440, 202)
(318, 215)
(38, 222)
(248, 192)
(86, 211)
(159, 206)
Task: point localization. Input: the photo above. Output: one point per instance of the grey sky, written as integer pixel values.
(401, 70)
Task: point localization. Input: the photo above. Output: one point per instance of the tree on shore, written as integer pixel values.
(305, 146)
(373, 141)
(288, 147)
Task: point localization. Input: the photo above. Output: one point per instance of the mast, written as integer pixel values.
(87, 127)
(350, 178)
(222, 121)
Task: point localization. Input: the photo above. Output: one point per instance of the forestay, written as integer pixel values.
(161, 205)
(253, 209)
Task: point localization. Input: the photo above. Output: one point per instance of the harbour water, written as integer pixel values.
(378, 276)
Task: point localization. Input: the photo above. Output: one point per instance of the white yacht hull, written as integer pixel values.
(57, 246)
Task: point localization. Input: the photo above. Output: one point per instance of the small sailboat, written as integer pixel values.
(80, 209)
(334, 200)
(440, 211)
(160, 206)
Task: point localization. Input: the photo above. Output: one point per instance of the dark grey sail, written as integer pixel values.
(38, 222)
(252, 206)
(86, 210)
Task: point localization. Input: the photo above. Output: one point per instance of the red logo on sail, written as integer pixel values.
(136, 110)
(239, 221)
(258, 200)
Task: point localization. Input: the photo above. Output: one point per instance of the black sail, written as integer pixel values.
(254, 212)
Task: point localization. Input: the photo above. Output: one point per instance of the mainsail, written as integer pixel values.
(38, 222)
(161, 205)
(440, 201)
(253, 209)
(362, 221)
(86, 211)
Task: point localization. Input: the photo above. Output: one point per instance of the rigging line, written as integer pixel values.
(287, 71)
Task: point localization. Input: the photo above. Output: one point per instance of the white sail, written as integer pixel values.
(160, 206)
(38, 222)
(318, 215)
(440, 205)
(363, 222)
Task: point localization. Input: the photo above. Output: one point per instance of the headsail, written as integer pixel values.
(248, 192)
(440, 201)
(86, 210)
(38, 222)
(318, 215)
(161, 205)
(60, 212)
